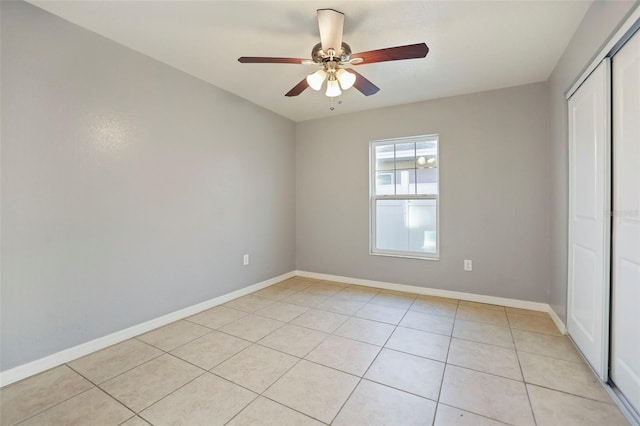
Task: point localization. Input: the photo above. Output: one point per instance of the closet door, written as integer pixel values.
(589, 224)
(625, 286)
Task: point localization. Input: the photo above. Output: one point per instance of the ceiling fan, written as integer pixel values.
(332, 54)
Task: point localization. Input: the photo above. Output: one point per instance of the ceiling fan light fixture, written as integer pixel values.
(333, 88)
(346, 79)
(316, 79)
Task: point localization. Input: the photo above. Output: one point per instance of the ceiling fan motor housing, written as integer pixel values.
(319, 56)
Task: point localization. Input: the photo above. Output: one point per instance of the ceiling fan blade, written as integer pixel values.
(298, 88)
(410, 51)
(266, 60)
(330, 23)
(363, 85)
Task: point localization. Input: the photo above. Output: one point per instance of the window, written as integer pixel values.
(404, 197)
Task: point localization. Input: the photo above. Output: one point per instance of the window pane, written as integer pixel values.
(385, 157)
(422, 225)
(406, 225)
(426, 154)
(406, 156)
(384, 183)
(426, 162)
(391, 227)
(426, 148)
(405, 182)
(427, 181)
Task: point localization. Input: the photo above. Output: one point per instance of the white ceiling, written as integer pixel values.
(474, 45)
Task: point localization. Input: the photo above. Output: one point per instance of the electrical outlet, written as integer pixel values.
(245, 259)
(468, 265)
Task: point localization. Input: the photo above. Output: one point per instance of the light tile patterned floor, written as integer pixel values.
(309, 352)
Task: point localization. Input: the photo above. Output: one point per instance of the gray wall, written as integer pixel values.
(600, 22)
(129, 189)
(494, 183)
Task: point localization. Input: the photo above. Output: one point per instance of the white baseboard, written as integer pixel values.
(34, 367)
(471, 297)
(18, 373)
(557, 321)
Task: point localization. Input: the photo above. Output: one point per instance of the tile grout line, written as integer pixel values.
(399, 390)
(55, 405)
(349, 316)
(282, 375)
(262, 394)
(353, 315)
(483, 372)
(119, 374)
(475, 414)
(533, 414)
(278, 319)
(300, 359)
(613, 404)
(180, 345)
(257, 395)
(286, 406)
(189, 319)
(138, 413)
(97, 386)
(551, 357)
(244, 338)
(367, 370)
(68, 364)
(132, 417)
(446, 362)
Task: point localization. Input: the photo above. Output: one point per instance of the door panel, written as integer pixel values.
(584, 271)
(625, 286)
(588, 298)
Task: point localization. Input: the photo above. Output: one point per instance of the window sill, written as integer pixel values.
(406, 256)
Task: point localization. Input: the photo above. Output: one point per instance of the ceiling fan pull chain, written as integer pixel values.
(331, 108)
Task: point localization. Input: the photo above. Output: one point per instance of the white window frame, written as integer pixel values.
(373, 198)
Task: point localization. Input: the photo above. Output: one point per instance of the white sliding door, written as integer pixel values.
(625, 286)
(589, 221)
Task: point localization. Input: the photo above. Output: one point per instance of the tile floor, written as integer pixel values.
(307, 352)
